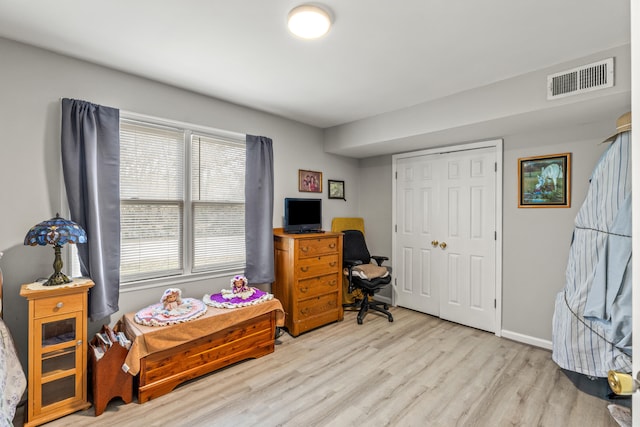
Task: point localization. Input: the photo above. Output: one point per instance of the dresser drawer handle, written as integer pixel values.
(60, 304)
(333, 264)
(304, 290)
(304, 248)
(304, 269)
(304, 311)
(332, 246)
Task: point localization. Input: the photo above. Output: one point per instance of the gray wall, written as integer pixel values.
(535, 241)
(507, 107)
(374, 205)
(32, 81)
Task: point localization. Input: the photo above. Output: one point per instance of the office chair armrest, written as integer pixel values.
(379, 259)
(350, 263)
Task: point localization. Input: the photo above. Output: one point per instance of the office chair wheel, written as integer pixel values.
(359, 321)
(386, 306)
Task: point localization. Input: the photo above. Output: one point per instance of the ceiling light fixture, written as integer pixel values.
(308, 21)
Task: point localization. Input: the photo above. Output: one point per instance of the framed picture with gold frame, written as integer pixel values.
(309, 181)
(544, 181)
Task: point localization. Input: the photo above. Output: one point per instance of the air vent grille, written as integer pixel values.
(586, 78)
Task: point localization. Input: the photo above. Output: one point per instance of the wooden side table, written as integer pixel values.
(57, 350)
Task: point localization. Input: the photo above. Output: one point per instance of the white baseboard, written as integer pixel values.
(515, 336)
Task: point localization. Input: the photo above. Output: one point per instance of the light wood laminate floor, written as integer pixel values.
(417, 371)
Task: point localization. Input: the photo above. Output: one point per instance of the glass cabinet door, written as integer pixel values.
(59, 345)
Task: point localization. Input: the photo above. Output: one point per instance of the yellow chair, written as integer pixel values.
(339, 224)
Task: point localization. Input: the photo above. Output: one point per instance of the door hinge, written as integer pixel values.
(495, 303)
(495, 235)
(495, 167)
(396, 174)
(396, 228)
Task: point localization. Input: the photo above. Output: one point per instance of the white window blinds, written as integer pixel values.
(181, 201)
(152, 200)
(217, 188)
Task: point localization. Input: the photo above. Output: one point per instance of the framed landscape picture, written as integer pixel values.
(544, 181)
(309, 181)
(336, 189)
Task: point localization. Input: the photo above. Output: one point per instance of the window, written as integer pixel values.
(181, 201)
(217, 192)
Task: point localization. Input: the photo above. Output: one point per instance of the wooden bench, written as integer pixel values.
(166, 356)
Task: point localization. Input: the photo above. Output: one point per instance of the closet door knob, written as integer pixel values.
(434, 243)
(443, 245)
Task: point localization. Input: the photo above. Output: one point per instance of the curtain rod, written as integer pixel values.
(171, 122)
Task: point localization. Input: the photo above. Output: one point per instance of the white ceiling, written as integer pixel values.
(380, 55)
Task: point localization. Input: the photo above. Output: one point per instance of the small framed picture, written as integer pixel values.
(309, 181)
(336, 189)
(544, 181)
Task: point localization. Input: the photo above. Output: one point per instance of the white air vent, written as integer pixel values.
(598, 75)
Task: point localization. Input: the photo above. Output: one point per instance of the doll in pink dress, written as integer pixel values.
(171, 299)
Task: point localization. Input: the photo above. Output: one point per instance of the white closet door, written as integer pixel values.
(467, 239)
(417, 199)
(445, 239)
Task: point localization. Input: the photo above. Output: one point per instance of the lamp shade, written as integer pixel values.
(57, 232)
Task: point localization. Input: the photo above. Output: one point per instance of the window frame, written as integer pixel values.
(188, 274)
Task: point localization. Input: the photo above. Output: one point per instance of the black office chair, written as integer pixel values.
(369, 278)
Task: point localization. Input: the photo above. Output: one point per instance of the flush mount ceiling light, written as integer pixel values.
(309, 22)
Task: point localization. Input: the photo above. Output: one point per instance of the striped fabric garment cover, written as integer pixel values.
(582, 345)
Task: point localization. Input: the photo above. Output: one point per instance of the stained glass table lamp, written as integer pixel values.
(57, 232)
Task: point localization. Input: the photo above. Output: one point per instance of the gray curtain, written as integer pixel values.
(91, 165)
(258, 193)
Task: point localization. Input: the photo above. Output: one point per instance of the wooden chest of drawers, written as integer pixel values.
(308, 282)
